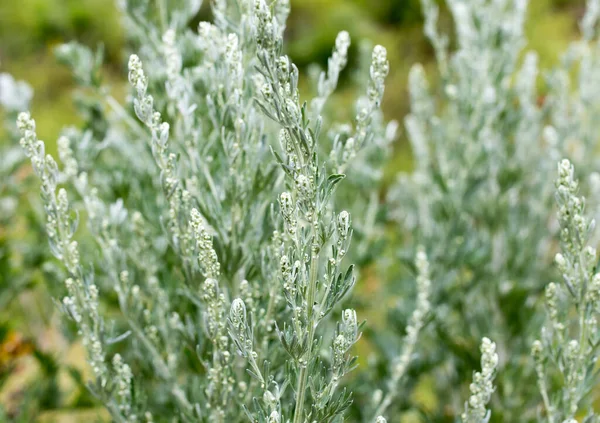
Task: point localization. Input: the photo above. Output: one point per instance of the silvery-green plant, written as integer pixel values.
(478, 199)
(417, 320)
(567, 354)
(570, 104)
(482, 386)
(24, 264)
(210, 284)
(15, 97)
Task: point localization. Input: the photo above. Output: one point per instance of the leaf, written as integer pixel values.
(284, 166)
(265, 110)
(118, 338)
(331, 183)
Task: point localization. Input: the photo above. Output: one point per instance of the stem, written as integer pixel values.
(162, 11)
(267, 318)
(113, 410)
(545, 398)
(179, 395)
(117, 108)
(582, 341)
(310, 298)
(302, 379)
(393, 390)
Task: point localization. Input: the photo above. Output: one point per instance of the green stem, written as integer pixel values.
(582, 340)
(113, 410)
(303, 376)
(545, 398)
(119, 110)
(162, 11)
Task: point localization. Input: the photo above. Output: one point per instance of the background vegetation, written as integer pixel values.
(32, 349)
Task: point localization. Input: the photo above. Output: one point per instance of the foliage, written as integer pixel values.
(210, 274)
(573, 356)
(211, 281)
(479, 200)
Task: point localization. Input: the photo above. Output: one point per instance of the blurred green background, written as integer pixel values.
(31, 346)
(29, 29)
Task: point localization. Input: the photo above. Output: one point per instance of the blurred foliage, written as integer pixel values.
(30, 29)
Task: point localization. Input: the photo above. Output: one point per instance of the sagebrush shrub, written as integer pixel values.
(210, 283)
(485, 141)
(219, 241)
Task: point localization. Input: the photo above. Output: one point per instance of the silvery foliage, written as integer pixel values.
(214, 229)
(478, 199)
(209, 282)
(569, 341)
(482, 386)
(363, 189)
(15, 275)
(417, 320)
(571, 106)
(15, 97)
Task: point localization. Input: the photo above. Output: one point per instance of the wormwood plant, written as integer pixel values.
(14, 98)
(25, 265)
(209, 282)
(569, 344)
(212, 223)
(479, 200)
